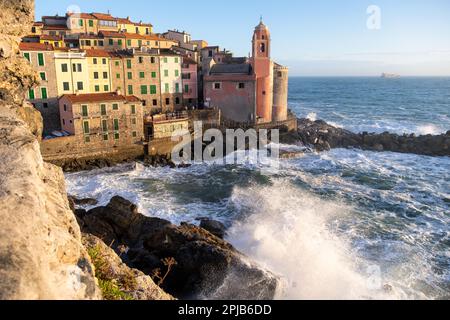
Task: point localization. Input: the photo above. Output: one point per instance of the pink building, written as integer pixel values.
(190, 82)
(247, 90)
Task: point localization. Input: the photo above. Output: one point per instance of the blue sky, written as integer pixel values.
(312, 37)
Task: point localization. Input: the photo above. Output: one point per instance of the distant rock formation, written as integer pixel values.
(321, 136)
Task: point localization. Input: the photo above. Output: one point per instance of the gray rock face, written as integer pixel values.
(206, 266)
(215, 227)
(41, 255)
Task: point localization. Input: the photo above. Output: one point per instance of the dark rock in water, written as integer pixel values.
(215, 227)
(322, 137)
(207, 266)
(82, 202)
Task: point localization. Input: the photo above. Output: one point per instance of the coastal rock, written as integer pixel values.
(116, 279)
(41, 254)
(82, 202)
(321, 136)
(206, 266)
(215, 227)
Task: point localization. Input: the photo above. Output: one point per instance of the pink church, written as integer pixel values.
(247, 90)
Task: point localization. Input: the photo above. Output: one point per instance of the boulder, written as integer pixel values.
(205, 264)
(215, 227)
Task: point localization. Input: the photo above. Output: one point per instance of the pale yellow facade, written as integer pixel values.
(72, 74)
(99, 69)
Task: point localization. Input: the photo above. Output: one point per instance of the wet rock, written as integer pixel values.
(215, 227)
(205, 263)
(322, 137)
(82, 202)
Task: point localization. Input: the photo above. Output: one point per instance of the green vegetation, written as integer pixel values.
(112, 285)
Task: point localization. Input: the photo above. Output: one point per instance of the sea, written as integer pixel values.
(343, 224)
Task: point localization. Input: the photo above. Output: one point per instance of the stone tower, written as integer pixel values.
(280, 93)
(263, 68)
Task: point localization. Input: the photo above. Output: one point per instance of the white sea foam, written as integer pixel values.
(312, 116)
(289, 234)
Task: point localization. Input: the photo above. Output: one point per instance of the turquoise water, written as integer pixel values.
(344, 224)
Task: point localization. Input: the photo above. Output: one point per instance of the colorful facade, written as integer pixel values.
(190, 82)
(99, 69)
(171, 81)
(72, 72)
(103, 120)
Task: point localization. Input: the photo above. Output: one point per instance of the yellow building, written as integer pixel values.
(72, 74)
(99, 69)
(82, 23)
(55, 41)
(126, 25)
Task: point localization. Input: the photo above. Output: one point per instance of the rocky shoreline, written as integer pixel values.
(320, 136)
(188, 261)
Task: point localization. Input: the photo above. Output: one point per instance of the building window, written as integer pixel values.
(27, 56)
(134, 134)
(66, 86)
(154, 75)
(97, 88)
(280, 74)
(45, 105)
(111, 42)
(101, 43)
(153, 89)
(105, 75)
(77, 67)
(264, 93)
(41, 61)
(210, 53)
(80, 23)
(186, 88)
(84, 111)
(95, 75)
(80, 86)
(263, 47)
(91, 23)
(116, 124)
(119, 42)
(177, 100)
(177, 87)
(106, 88)
(241, 85)
(186, 76)
(217, 85)
(116, 136)
(64, 67)
(129, 43)
(167, 101)
(155, 102)
(115, 106)
(86, 127)
(133, 109)
(65, 108)
(166, 73)
(165, 59)
(43, 76)
(103, 109)
(63, 122)
(177, 73)
(44, 93)
(118, 75)
(133, 121)
(105, 137)
(117, 63)
(130, 89)
(31, 94)
(87, 139)
(105, 125)
(152, 59)
(33, 30)
(142, 75)
(94, 61)
(144, 90)
(176, 59)
(166, 88)
(130, 75)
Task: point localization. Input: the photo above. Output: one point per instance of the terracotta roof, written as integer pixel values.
(111, 34)
(188, 60)
(38, 24)
(124, 21)
(81, 15)
(104, 16)
(99, 97)
(97, 53)
(90, 36)
(51, 38)
(142, 24)
(61, 27)
(33, 46)
(54, 17)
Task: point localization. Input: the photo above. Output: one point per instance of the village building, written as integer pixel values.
(190, 82)
(72, 72)
(44, 97)
(246, 90)
(138, 73)
(171, 81)
(104, 120)
(99, 69)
